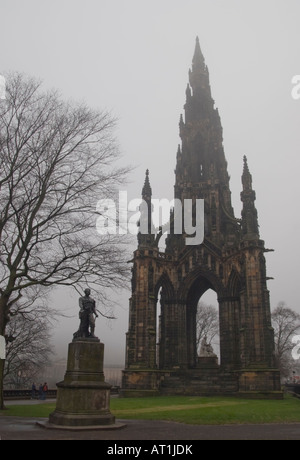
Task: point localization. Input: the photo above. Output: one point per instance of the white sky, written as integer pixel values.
(132, 57)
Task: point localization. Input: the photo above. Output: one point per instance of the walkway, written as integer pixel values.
(19, 428)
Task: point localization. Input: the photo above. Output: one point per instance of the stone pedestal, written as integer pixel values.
(207, 361)
(83, 397)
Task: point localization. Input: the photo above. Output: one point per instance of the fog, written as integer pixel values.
(132, 57)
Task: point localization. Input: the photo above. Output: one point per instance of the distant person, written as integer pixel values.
(45, 389)
(33, 391)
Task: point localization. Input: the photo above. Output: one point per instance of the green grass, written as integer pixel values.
(185, 409)
(208, 410)
(39, 410)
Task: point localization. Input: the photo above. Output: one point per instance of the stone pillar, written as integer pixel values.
(229, 332)
(83, 397)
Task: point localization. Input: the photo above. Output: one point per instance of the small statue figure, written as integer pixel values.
(206, 349)
(87, 314)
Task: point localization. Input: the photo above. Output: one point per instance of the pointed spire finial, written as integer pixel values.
(147, 191)
(245, 163)
(250, 226)
(246, 177)
(198, 59)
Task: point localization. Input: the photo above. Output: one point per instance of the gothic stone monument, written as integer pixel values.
(162, 358)
(83, 398)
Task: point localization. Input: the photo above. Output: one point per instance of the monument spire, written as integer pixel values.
(246, 177)
(146, 234)
(199, 75)
(198, 59)
(202, 158)
(147, 191)
(249, 212)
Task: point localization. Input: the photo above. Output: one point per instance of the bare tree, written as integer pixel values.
(286, 324)
(57, 160)
(28, 335)
(207, 323)
(30, 350)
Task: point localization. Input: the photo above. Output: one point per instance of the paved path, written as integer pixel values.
(21, 428)
(27, 402)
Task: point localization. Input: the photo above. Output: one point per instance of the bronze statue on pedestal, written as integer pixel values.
(87, 315)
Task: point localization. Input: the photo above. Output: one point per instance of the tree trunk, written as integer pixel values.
(3, 322)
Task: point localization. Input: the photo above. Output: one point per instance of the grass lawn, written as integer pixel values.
(185, 409)
(38, 410)
(208, 410)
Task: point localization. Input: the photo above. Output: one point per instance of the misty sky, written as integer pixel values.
(132, 57)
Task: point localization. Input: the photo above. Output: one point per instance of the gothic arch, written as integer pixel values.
(234, 283)
(165, 283)
(193, 287)
(205, 279)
